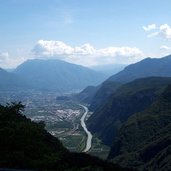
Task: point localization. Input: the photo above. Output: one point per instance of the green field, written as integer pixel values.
(99, 149)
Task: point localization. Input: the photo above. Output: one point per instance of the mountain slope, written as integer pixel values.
(144, 141)
(148, 67)
(10, 81)
(58, 75)
(102, 93)
(27, 145)
(130, 98)
(109, 69)
(86, 95)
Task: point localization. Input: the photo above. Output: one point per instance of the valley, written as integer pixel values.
(62, 119)
(85, 85)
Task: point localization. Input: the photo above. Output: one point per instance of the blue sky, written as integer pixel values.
(97, 31)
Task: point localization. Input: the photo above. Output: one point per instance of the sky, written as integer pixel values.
(84, 32)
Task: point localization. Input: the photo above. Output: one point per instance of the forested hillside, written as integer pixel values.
(27, 145)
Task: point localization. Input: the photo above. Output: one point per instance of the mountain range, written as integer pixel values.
(148, 67)
(145, 68)
(49, 75)
(57, 75)
(131, 114)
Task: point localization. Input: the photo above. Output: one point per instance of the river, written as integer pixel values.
(89, 135)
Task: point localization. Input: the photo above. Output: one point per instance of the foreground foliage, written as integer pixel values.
(27, 145)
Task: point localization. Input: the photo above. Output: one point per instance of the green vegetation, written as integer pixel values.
(59, 124)
(27, 145)
(103, 93)
(74, 142)
(130, 98)
(135, 122)
(99, 149)
(144, 141)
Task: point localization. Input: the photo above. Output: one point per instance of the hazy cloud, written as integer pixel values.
(164, 47)
(153, 34)
(3, 56)
(86, 54)
(9, 62)
(149, 27)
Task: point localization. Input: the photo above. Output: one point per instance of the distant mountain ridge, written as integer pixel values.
(57, 75)
(149, 67)
(146, 68)
(109, 69)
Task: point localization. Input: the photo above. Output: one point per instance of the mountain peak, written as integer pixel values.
(57, 75)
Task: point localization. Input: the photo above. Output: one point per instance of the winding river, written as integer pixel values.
(89, 135)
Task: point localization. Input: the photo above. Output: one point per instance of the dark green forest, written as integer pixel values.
(27, 145)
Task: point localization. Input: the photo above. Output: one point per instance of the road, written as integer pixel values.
(89, 135)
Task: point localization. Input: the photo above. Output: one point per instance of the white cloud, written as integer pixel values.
(51, 48)
(165, 31)
(162, 31)
(150, 27)
(86, 54)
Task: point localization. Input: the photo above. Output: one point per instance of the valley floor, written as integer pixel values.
(62, 119)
